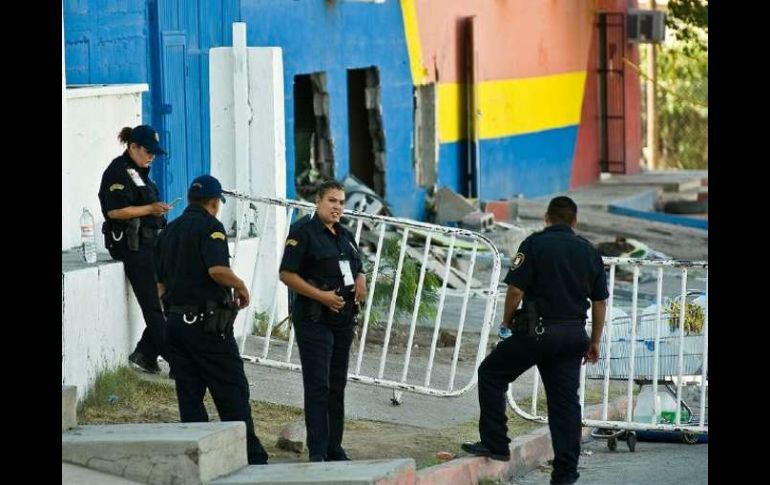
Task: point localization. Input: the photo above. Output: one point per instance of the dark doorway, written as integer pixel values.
(365, 134)
(313, 150)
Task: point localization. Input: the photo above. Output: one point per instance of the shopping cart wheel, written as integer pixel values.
(612, 443)
(631, 441)
(689, 438)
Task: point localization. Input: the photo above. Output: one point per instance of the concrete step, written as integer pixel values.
(78, 475)
(381, 472)
(162, 453)
(69, 406)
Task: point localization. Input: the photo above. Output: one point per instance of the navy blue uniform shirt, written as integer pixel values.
(561, 271)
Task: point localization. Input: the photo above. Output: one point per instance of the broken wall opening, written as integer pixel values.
(366, 135)
(313, 144)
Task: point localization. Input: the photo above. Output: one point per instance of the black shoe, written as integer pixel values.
(316, 458)
(338, 456)
(565, 481)
(139, 360)
(480, 450)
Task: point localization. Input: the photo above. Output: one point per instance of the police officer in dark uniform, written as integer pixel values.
(557, 273)
(196, 283)
(322, 266)
(133, 216)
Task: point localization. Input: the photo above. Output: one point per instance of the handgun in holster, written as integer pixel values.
(527, 321)
(219, 316)
(315, 310)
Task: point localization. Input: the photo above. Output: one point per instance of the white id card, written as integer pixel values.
(135, 177)
(347, 274)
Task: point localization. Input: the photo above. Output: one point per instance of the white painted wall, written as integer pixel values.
(262, 173)
(101, 320)
(92, 118)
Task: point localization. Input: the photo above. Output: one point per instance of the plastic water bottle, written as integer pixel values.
(87, 236)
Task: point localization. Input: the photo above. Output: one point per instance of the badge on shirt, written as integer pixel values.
(217, 235)
(517, 260)
(291, 242)
(135, 177)
(347, 274)
(115, 187)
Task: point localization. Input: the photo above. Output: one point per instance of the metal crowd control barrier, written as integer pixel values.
(437, 248)
(650, 348)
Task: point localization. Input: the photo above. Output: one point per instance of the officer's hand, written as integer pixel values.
(332, 300)
(360, 288)
(592, 354)
(159, 208)
(242, 297)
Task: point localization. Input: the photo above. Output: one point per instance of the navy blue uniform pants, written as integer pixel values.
(202, 361)
(558, 355)
(324, 351)
(140, 270)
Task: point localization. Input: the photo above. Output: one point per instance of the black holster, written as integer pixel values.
(527, 321)
(131, 233)
(219, 318)
(315, 310)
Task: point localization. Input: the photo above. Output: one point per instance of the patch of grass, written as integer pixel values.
(488, 481)
(126, 396)
(120, 396)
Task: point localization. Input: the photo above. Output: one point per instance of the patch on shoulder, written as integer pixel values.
(291, 242)
(218, 235)
(115, 187)
(517, 261)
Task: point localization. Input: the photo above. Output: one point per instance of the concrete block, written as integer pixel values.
(381, 472)
(478, 221)
(451, 207)
(159, 453)
(503, 210)
(69, 406)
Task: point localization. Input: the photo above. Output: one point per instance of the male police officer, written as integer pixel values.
(556, 272)
(194, 280)
(322, 266)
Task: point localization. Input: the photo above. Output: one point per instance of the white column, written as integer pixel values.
(257, 165)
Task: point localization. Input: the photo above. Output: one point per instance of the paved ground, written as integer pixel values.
(651, 463)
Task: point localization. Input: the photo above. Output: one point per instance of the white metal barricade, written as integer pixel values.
(431, 247)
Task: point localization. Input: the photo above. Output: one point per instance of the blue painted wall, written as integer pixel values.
(106, 42)
(533, 164)
(332, 37)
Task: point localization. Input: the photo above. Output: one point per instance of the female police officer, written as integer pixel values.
(322, 266)
(133, 217)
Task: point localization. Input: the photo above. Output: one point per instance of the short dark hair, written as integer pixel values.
(562, 210)
(200, 201)
(328, 185)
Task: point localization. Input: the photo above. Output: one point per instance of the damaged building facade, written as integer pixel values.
(488, 98)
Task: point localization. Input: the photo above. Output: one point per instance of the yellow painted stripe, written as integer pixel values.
(413, 44)
(513, 106)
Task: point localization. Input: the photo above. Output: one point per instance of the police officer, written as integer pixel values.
(557, 273)
(322, 266)
(195, 281)
(133, 216)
